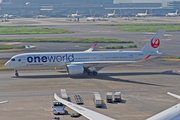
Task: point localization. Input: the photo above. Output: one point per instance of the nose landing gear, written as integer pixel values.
(16, 73)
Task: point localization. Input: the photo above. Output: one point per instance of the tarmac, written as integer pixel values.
(143, 85)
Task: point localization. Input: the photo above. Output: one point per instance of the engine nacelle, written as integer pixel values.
(75, 69)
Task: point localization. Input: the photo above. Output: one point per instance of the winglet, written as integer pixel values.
(91, 49)
(176, 96)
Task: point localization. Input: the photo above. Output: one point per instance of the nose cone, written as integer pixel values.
(7, 64)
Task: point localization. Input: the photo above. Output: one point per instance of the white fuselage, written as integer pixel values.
(59, 59)
(171, 14)
(90, 19)
(141, 15)
(111, 15)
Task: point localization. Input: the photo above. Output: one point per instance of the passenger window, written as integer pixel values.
(12, 59)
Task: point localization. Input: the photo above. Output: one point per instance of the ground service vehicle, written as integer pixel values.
(58, 108)
(109, 97)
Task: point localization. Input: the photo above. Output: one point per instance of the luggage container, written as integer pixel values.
(117, 97)
(78, 99)
(97, 99)
(109, 98)
(64, 94)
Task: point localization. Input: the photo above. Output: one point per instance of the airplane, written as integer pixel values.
(142, 14)
(172, 113)
(172, 14)
(88, 61)
(75, 15)
(89, 114)
(111, 14)
(4, 102)
(91, 18)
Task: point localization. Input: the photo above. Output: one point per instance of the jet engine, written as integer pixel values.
(75, 69)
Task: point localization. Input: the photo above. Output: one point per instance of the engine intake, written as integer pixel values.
(75, 69)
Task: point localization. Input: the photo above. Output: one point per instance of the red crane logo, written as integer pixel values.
(155, 42)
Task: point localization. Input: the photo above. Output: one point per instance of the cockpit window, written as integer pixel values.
(12, 59)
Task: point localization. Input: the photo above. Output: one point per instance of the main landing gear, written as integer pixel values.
(90, 72)
(16, 73)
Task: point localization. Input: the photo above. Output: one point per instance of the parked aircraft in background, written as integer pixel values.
(91, 18)
(142, 14)
(75, 15)
(111, 14)
(88, 61)
(172, 113)
(4, 102)
(172, 14)
(89, 114)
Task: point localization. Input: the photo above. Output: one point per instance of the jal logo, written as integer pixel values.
(155, 42)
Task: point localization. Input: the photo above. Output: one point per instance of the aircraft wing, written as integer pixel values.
(4, 102)
(172, 113)
(89, 114)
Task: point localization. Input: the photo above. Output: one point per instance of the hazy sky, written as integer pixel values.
(164, 2)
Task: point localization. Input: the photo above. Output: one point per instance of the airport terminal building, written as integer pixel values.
(61, 8)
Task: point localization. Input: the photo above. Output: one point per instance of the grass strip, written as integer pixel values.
(2, 62)
(138, 24)
(4, 26)
(149, 29)
(172, 57)
(120, 47)
(68, 40)
(33, 31)
(7, 47)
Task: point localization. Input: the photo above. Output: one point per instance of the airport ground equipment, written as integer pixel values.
(109, 97)
(64, 94)
(97, 99)
(56, 118)
(78, 99)
(75, 115)
(58, 108)
(117, 97)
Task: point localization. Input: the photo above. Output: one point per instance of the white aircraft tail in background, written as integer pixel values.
(172, 113)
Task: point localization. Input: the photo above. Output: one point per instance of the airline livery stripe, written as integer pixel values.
(94, 45)
(146, 57)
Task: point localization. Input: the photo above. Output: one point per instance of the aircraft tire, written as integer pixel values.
(90, 73)
(95, 73)
(17, 74)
